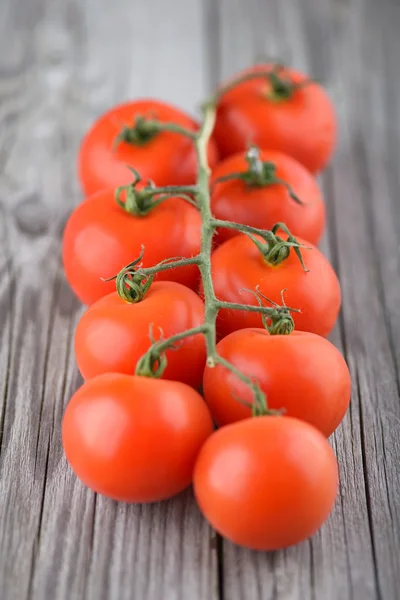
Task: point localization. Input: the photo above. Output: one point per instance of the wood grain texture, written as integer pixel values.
(62, 62)
(350, 47)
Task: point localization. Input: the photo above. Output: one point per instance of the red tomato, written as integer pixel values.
(267, 482)
(301, 373)
(135, 439)
(262, 207)
(112, 335)
(300, 123)
(101, 238)
(238, 265)
(167, 158)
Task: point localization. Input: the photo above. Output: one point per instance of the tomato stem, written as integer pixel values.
(133, 281)
(224, 89)
(259, 174)
(259, 406)
(143, 130)
(277, 320)
(177, 190)
(154, 362)
(281, 87)
(273, 248)
(140, 202)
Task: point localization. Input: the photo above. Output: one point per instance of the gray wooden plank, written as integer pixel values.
(57, 71)
(356, 554)
(61, 64)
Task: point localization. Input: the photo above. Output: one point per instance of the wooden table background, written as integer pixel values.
(62, 62)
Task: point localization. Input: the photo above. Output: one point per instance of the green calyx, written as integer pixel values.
(132, 283)
(276, 319)
(281, 322)
(136, 202)
(275, 249)
(144, 129)
(259, 174)
(138, 134)
(139, 202)
(154, 362)
(282, 87)
(151, 364)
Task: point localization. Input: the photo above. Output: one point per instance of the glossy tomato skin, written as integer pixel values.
(135, 439)
(101, 238)
(303, 126)
(262, 207)
(112, 335)
(167, 159)
(302, 373)
(238, 266)
(267, 482)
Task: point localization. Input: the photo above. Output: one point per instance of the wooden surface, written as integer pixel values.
(62, 62)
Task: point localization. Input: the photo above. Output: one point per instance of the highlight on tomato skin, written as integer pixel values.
(135, 439)
(167, 158)
(239, 267)
(302, 374)
(101, 238)
(263, 206)
(301, 122)
(266, 483)
(112, 335)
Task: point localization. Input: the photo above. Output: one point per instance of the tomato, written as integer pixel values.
(167, 158)
(238, 266)
(101, 238)
(135, 439)
(266, 482)
(262, 207)
(269, 112)
(301, 373)
(112, 335)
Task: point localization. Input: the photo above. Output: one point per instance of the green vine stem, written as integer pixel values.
(134, 281)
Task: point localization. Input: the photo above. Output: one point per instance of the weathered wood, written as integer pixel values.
(62, 62)
(356, 554)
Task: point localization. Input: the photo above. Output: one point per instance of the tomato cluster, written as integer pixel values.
(194, 286)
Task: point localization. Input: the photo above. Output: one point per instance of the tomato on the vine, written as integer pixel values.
(238, 267)
(135, 439)
(296, 199)
(167, 158)
(113, 334)
(101, 238)
(266, 482)
(282, 111)
(301, 373)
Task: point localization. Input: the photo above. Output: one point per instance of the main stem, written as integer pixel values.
(153, 362)
(208, 229)
(211, 304)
